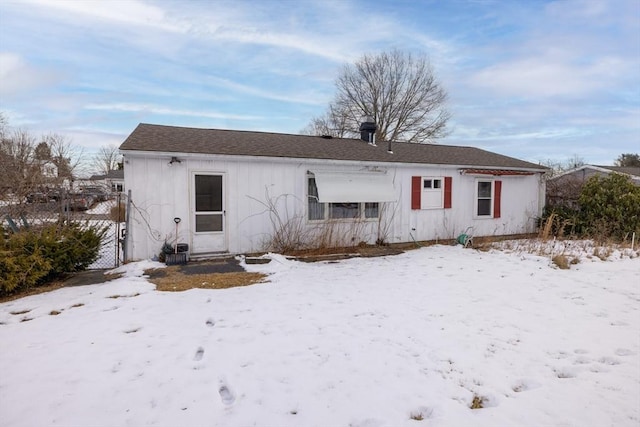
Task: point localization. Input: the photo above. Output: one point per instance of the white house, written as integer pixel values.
(239, 192)
(112, 181)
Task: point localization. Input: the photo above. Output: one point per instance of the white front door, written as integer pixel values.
(208, 228)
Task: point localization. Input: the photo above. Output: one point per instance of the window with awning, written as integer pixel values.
(344, 187)
(347, 195)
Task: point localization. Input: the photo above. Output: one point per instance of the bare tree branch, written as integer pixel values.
(399, 91)
(66, 157)
(106, 159)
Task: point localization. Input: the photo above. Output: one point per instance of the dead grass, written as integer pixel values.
(561, 261)
(124, 296)
(416, 416)
(477, 402)
(176, 281)
(545, 231)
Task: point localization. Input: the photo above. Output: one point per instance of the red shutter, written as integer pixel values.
(447, 192)
(497, 192)
(416, 190)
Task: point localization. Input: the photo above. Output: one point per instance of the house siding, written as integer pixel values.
(161, 192)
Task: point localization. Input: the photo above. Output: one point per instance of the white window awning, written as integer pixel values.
(343, 187)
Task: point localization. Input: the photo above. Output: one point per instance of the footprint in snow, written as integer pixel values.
(226, 395)
(199, 354)
(210, 322)
(609, 360)
(625, 352)
(524, 384)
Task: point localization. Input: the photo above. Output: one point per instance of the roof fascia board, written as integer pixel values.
(300, 160)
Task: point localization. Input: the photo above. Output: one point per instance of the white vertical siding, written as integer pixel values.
(161, 192)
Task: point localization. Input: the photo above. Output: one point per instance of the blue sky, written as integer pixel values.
(531, 79)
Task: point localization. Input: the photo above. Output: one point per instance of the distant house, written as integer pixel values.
(564, 189)
(48, 170)
(112, 181)
(238, 191)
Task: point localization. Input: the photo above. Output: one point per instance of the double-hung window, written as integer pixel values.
(487, 198)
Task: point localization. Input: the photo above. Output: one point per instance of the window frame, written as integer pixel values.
(432, 190)
(477, 198)
(364, 208)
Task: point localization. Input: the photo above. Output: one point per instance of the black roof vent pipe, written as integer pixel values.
(368, 130)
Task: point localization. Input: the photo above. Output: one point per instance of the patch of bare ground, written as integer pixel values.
(32, 291)
(173, 280)
(51, 286)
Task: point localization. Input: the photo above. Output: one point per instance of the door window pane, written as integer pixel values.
(208, 223)
(208, 193)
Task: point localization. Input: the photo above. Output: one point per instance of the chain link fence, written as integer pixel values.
(100, 210)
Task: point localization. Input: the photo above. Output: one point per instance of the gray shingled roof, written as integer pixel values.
(172, 139)
(630, 170)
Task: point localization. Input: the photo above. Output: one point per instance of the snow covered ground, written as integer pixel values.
(407, 340)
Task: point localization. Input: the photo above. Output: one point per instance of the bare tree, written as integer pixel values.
(334, 123)
(18, 173)
(67, 158)
(3, 125)
(106, 159)
(398, 90)
(557, 167)
(628, 160)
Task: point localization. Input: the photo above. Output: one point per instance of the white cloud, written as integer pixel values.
(153, 109)
(16, 76)
(127, 12)
(547, 77)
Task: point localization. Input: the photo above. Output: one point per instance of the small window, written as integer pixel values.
(484, 198)
(432, 194)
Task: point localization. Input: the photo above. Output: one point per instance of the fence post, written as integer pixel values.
(117, 236)
(125, 246)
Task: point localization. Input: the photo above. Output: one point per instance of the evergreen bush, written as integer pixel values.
(610, 206)
(34, 255)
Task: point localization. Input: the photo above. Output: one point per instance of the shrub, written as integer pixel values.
(610, 206)
(37, 254)
(21, 270)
